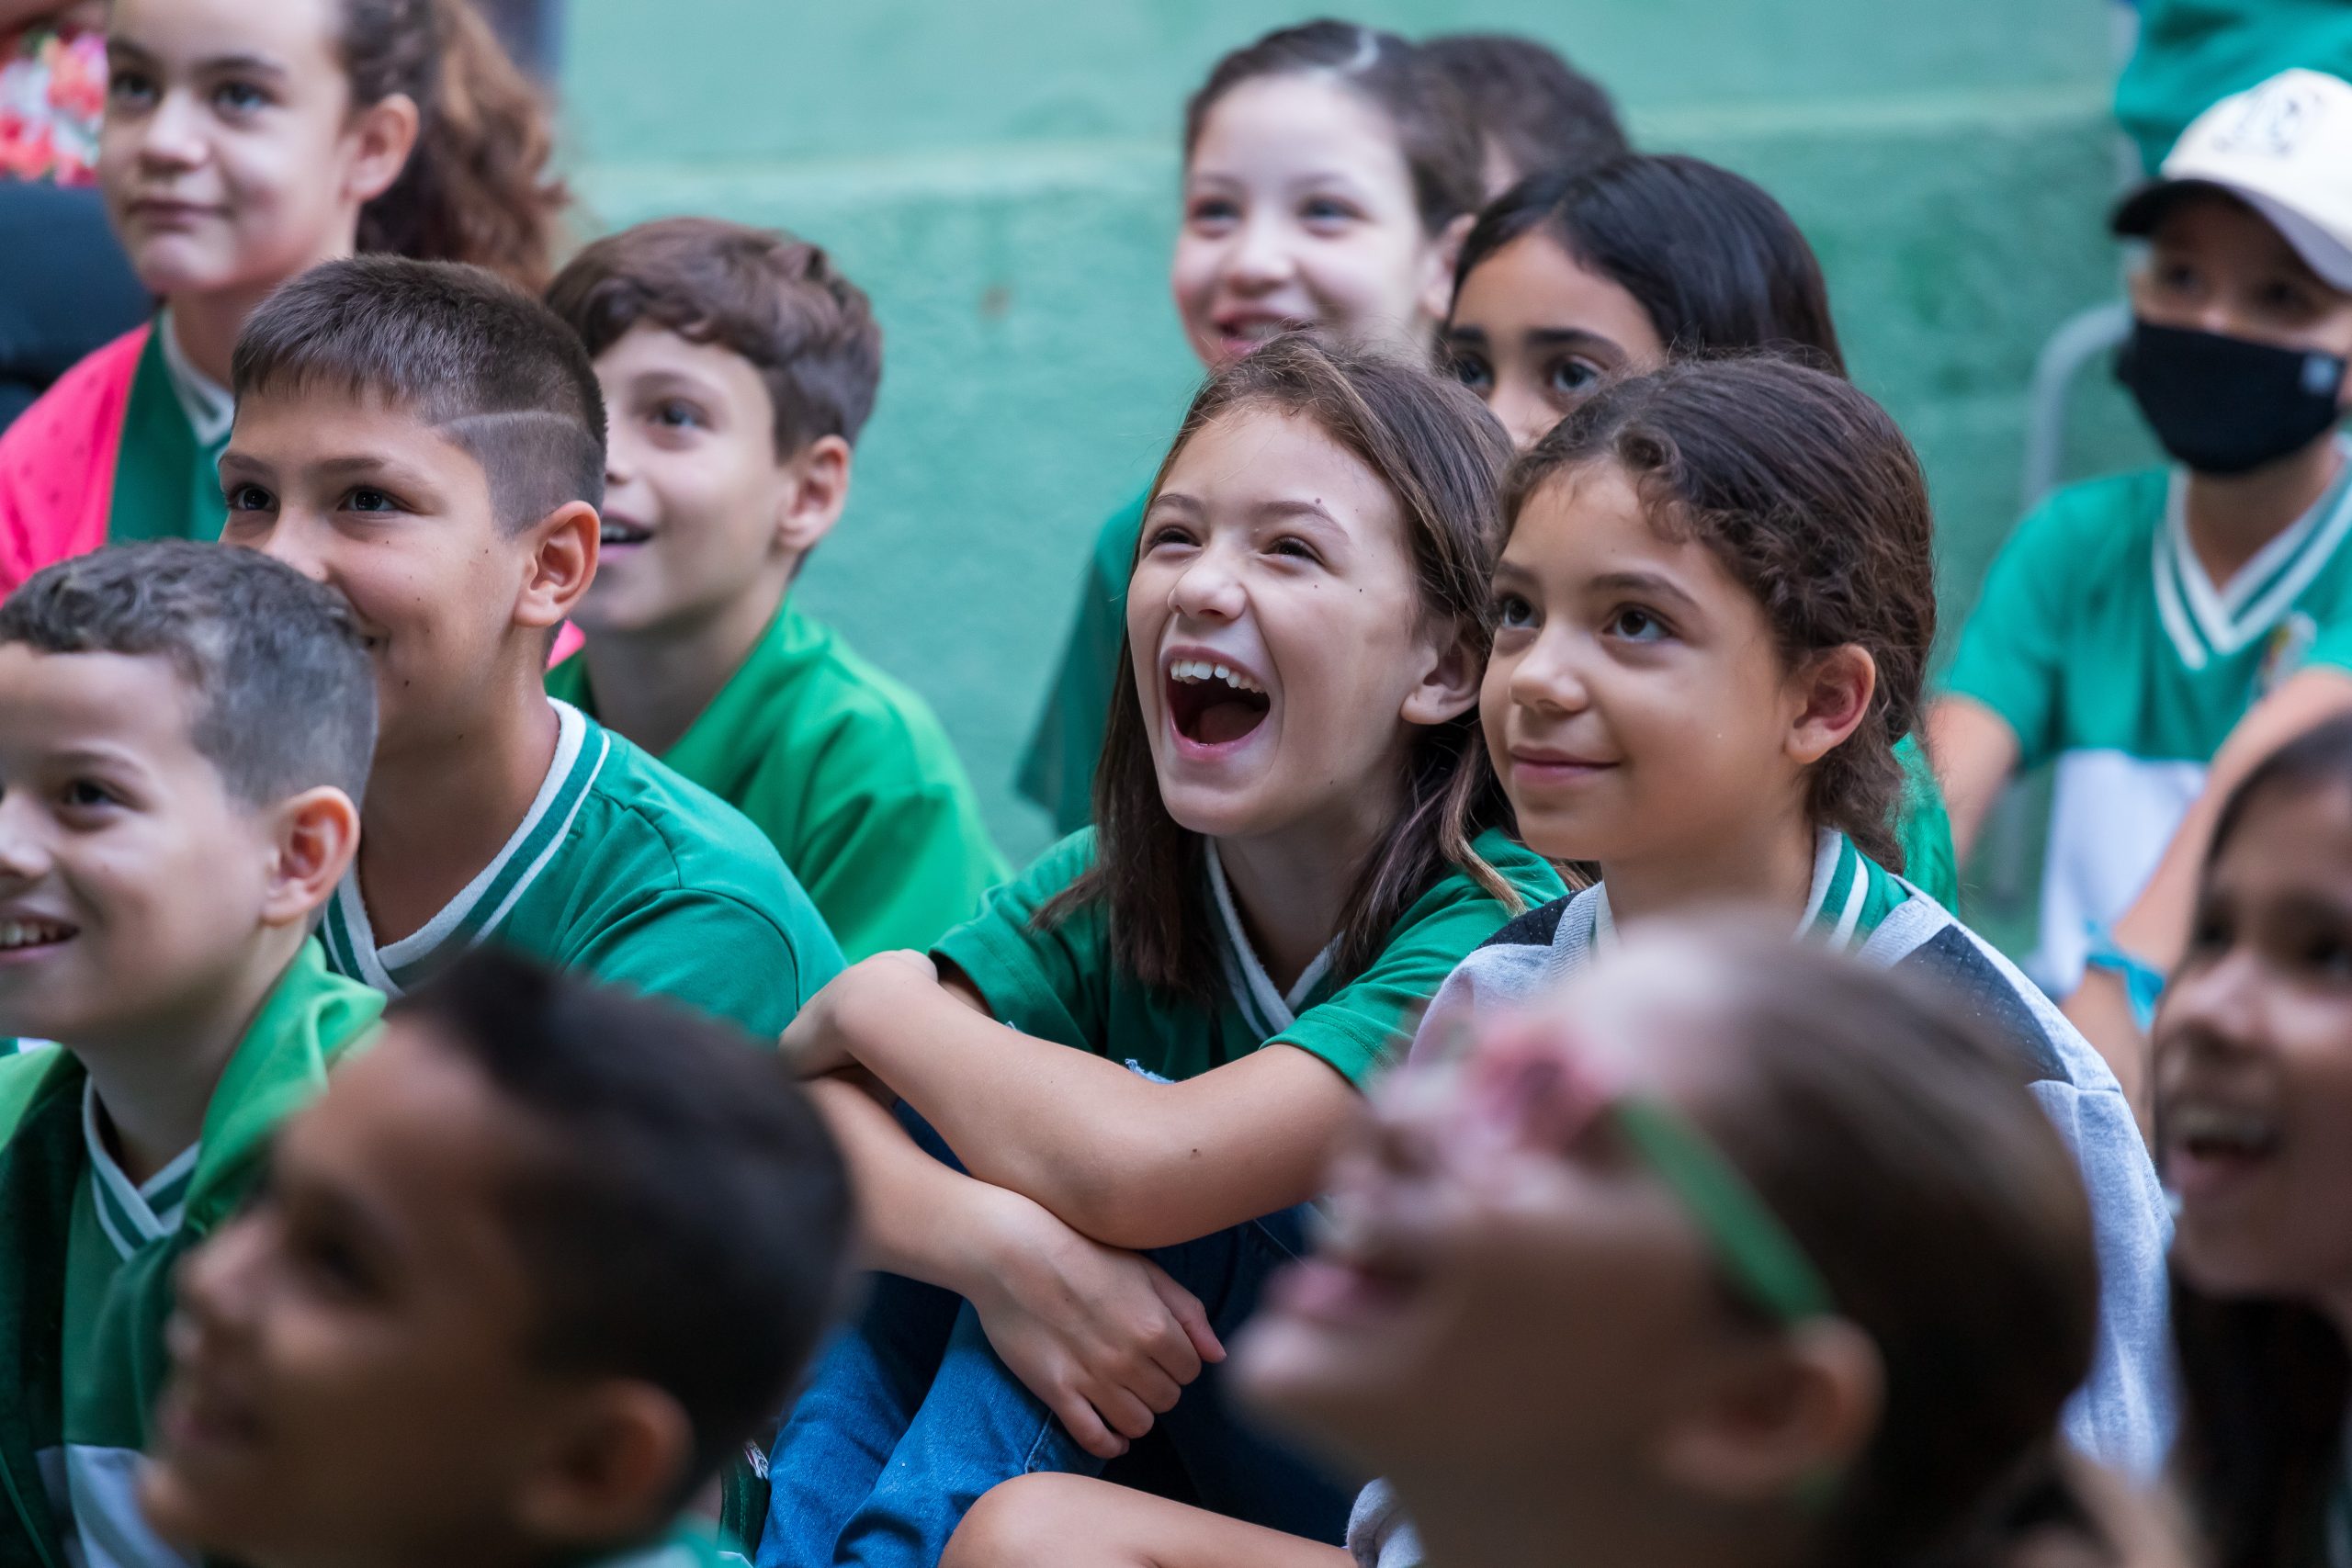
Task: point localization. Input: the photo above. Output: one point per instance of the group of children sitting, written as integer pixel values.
(394, 903)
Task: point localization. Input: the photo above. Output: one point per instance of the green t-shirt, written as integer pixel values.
(2193, 53)
(167, 471)
(2100, 641)
(1058, 772)
(849, 775)
(1059, 983)
(90, 1257)
(625, 871)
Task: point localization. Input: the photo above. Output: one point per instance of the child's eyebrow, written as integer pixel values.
(1643, 582)
(1291, 510)
(1569, 337)
(1468, 332)
(1511, 571)
(245, 64)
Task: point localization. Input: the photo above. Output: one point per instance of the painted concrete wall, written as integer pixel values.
(1001, 175)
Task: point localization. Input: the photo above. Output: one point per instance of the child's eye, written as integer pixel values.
(1325, 210)
(128, 87)
(330, 1261)
(366, 498)
(86, 794)
(1166, 536)
(676, 414)
(239, 97)
(248, 498)
(1294, 548)
(1573, 378)
(1473, 371)
(1513, 612)
(2285, 297)
(1635, 624)
(1214, 209)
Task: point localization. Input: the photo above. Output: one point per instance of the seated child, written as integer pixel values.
(184, 734)
(738, 367)
(2253, 1060)
(2134, 625)
(1535, 112)
(429, 442)
(423, 1343)
(1154, 1036)
(1712, 613)
(1571, 278)
(1821, 1198)
(1329, 174)
(243, 144)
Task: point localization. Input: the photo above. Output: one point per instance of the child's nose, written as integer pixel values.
(172, 137)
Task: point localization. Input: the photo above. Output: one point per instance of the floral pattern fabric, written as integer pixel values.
(52, 91)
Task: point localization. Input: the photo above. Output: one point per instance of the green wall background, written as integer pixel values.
(1001, 175)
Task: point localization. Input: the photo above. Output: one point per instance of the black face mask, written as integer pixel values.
(2223, 405)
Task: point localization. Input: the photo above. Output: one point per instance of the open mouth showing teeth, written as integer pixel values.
(2209, 1132)
(16, 936)
(1214, 704)
(612, 533)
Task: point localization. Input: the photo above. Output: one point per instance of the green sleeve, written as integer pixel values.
(2332, 647)
(716, 954)
(1365, 1025)
(2193, 53)
(897, 870)
(1923, 826)
(1058, 770)
(1052, 982)
(2012, 648)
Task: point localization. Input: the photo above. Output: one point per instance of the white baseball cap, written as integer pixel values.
(2284, 148)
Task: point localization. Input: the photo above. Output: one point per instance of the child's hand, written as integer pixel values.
(1103, 1336)
(818, 1040)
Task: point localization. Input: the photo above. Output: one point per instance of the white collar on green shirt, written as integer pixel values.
(208, 405)
(2205, 622)
(580, 752)
(1269, 1009)
(133, 1213)
(1838, 866)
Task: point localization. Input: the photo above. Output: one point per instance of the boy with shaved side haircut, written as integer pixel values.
(429, 442)
(184, 733)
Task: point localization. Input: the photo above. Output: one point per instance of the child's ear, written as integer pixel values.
(1832, 693)
(563, 563)
(1449, 684)
(1788, 1420)
(382, 135)
(1437, 287)
(313, 836)
(613, 1468)
(816, 490)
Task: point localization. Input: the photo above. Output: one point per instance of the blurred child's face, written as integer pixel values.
(1635, 703)
(361, 495)
(1276, 629)
(231, 156)
(1534, 332)
(2216, 265)
(131, 881)
(1299, 211)
(350, 1373)
(1504, 1283)
(695, 498)
(2254, 1059)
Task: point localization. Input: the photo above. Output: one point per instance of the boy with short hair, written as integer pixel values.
(430, 443)
(2140, 627)
(738, 368)
(184, 732)
(424, 1344)
(1536, 111)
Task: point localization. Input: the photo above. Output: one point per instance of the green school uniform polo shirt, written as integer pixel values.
(849, 775)
(1057, 772)
(627, 872)
(1059, 984)
(89, 1255)
(167, 468)
(2100, 641)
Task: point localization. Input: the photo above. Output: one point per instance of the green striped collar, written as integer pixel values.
(1268, 1009)
(580, 750)
(1851, 895)
(2205, 623)
(132, 1214)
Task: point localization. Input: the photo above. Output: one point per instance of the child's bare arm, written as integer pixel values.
(1076, 1521)
(1973, 751)
(1103, 1338)
(1129, 1161)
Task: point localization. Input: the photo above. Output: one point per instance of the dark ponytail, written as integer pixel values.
(476, 189)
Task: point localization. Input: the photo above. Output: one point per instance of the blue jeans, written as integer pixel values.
(909, 1417)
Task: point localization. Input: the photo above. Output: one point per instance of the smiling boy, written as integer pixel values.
(739, 367)
(429, 443)
(419, 1345)
(2145, 632)
(184, 731)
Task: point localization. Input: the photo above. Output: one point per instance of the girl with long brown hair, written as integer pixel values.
(1299, 837)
